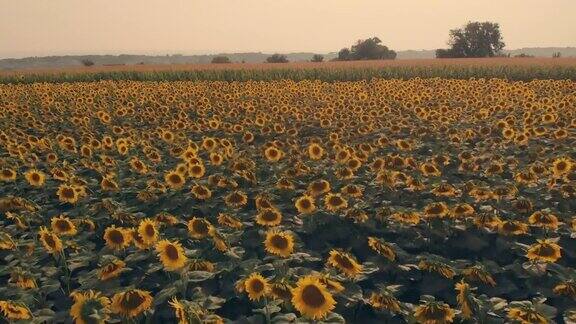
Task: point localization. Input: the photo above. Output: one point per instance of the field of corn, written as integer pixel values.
(369, 201)
(512, 69)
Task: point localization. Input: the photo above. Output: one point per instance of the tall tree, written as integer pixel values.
(476, 39)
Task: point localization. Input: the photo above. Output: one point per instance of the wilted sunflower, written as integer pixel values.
(174, 180)
(7, 175)
(109, 184)
(15, 311)
(89, 307)
(333, 285)
(171, 254)
(67, 193)
(6, 242)
(478, 273)
(35, 178)
(382, 248)
(269, 217)
(230, 221)
(430, 170)
(199, 228)
(201, 192)
(544, 220)
(436, 210)
(352, 191)
(545, 251)
(50, 241)
(511, 227)
(131, 303)
(63, 226)
(148, 231)
(436, 266)
(526, 315)
(345, 262)
(305, 204)
(311, 298)
(179, 310)
(279, 243)
(384, 302)
(434, 312)
(281, 290)
(318, 187)
(256, 286)
(335, 202)
(201, 265)
(117, 238)
(111, 269)
(236, 199)
(464, 299)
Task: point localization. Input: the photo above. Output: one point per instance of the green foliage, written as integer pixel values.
(476, 39)
(367, 49)
(87, 62)
(277, 58)
(317, 58)
(220, 59)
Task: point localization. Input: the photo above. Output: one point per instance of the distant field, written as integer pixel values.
(511, 68)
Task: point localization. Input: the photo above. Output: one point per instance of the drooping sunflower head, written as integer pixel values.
(256, 286)
(199, 228)
(311, 298)
(544, 219)
(434, 312)
(62, 225)
(436, 210)
(148, 231)
(544, 251)
(131, 303)
(89, 308)
(382, 248)
(111, 269)
(50, 241)
(15, 311)
(201, 192)
(281, 290)
(345, 262)
(269, 217)
(236, 199)
(171, 254)
(384, 301)
(279, 243)
(318, 187)
(464, 299)
(179, 310)
(230, 221)
(305, 204)
(117, 238)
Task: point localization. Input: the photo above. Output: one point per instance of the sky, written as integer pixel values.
(60, 27)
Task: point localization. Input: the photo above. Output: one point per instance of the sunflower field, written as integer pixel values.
(376, 201)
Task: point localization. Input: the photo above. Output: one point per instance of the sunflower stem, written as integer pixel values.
(267, 313)
(67, 273)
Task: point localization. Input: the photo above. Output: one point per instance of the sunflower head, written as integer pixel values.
(279, 243)
(269, 217)
(434, 312)
(335, 202)
(63, 226)
(35, 178)
(50, 241)
(544, 251)
(311, 298)
(131, 303)
(199, 228)
(117, 238)
(68, 194)
(148, 231)
(256, 286)
(111, 269)
(174, 180)
(171, 254)
(305, 204)
(345, 262)
(15, 311)
(89, 307)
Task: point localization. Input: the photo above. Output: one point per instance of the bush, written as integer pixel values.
(317, 58)
(277, 58)
(220, 59)
(87, 62)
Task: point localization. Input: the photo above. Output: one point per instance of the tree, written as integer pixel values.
(317, 58)
(367, 49)
(87, 62)
(277, 58)
(220, 59)
(476, 39)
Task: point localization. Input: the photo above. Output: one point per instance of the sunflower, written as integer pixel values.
(89, 307)
(305, 204)
(171, 254)
(511, 227)
(462, 210)
(352, 191)
(35, 178)
(201, 265)
(273, 154)
(131, 302)
(199, 228)
(281, 291)
(333, 285)
(464, 299)
(138, 166)
(7, 175)
(236, 199)
(382, 248)
(441, 268)
(566, 288)
(315, 151)
(197, 171)
(545, 251)
(117, 238)
(269, 217)
(68, 194)
(544, 220)
(436, 210)
(201, 192)
(279, 243)
(335, 202)
(50, 241)
(311, 298)
(561, 166)
(6, 242)
(174, 180)
(256, 286)
(430, 170)
(318, 187)
(408, 218)
(109, 184)
(230, 221)
(15, 311)
(345, 262)
(148, 231)
(478, 273)
(63, 226)
(526, 315)
(22, 280)
(111, 269)
(434, 313)
(179, 310)
(384, 301)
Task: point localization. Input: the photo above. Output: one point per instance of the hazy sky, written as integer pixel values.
(55, 27)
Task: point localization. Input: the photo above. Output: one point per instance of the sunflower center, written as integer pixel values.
(35, 177)
(200, 227)
(546, 250)
(116, 237)
(257, 285)
(335, 201)
(131, 300)
(68, 193)
(63, 225)
(561, 166)
(50, 241)
(171, 252)
(312, 296)
(343, 261)
(150, 231)
(279, 242)
(175, 178)
(269, 216)
(305, 203)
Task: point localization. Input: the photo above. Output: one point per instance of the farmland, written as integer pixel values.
(364, 201)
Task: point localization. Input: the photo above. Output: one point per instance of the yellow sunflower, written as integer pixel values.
(345, 262)
(201, 192)
(335, 202)
(67, 193)
(148, 231)
(273, 154)
(15, 311)
(545, 251)
(279, 243)
(236, 199)
(382, 248)
(35, 178)
(199, 227)
(463, 298)
(434, 313)
(50, 241)
(111, 269)
(63, 226)
(269, 217)
(315, 151)
(305, 204)
(256, 286)
(544, 220)
(117, 238)
(131, 303)
(179, 310)
(230, 221)
(311, 298)
(171, 254)
(197, 171)
(7, 175)
(89, 308)
(318, 187)
(384, 301)
(174, 180)
(561, 166)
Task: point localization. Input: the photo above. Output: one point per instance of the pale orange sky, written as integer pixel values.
(56, 27)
